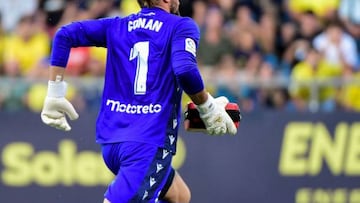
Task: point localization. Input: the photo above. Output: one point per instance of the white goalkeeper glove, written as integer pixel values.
(56, 106)
(217, 121)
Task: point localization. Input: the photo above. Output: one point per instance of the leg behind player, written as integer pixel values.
(143, 174)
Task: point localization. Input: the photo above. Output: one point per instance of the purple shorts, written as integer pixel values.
(141, 170)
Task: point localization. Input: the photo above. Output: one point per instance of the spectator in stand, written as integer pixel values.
(302, 75)
(78, 61)
(338, 50)
(227, 78)
(233, 83)
(86, 61)
(313, 69)
(226, 7)
(247, 53)
(96, 9)
(95, 68)
(213, 43)
(58, 12)
(264, 76)
(199, 12)
(242, 28)
(12, 11)
(295, 53)
(244, 20)
(2, 44)
(27, 49)
(128, 7)
(349, 97)
(349, 12)
(324, 9)
(309, 27)
(266, 38)
(285, 37)
(350, 16)
(12, 94)
(276, 99)
(97, 61)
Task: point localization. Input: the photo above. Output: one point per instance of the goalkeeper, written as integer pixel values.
(151, 59)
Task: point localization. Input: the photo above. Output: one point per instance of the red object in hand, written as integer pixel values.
(193, 121)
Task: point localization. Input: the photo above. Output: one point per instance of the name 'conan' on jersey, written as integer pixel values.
(141, 97)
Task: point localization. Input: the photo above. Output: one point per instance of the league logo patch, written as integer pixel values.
(190, 46)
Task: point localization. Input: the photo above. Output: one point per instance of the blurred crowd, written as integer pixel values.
(283, 55)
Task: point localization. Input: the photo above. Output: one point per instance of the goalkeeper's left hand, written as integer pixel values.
(56, 106)
(215, 117)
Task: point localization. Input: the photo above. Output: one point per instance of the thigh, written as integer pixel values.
(141, 172)
(178, 190)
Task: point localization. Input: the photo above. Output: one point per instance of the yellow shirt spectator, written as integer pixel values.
(98, 53)
(350, 94)
(97, 61)
(2, 44)
(319, 7)
(27, 54)
(128, 7)
(304, 73)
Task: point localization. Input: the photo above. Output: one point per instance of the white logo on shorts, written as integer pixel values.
(152, 181)
(174, 123)
(165, 153)
(172, 139)
(159, 167)
(146, 194)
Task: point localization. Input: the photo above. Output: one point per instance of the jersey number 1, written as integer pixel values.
(140, 51)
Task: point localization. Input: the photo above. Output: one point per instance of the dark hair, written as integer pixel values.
(147, 3)
(334, 22)
(309, 13)
(141, 3)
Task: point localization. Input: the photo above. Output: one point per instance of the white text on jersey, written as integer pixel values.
(148, 24)
(117, 106)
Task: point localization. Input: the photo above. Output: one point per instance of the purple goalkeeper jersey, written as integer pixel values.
(146, 52)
